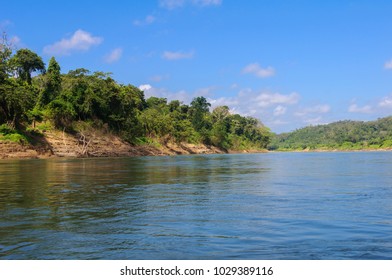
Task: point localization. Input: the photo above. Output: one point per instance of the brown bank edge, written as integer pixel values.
(56, 144)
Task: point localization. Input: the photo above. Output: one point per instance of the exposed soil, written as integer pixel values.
(96, 144)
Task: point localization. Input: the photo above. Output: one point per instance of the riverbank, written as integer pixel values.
(56, 144)
(61, 144)
(334, 150)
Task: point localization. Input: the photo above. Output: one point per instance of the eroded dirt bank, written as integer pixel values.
(60, 144)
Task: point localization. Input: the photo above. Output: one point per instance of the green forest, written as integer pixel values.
(35, 98)
(342, 135)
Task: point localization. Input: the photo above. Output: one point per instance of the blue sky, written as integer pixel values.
(288, 63)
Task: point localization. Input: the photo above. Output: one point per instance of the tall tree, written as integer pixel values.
(26, 62)
(198, 111)
(54, 75)
(52, 86)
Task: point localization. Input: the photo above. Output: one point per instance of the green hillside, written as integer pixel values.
(342, 135)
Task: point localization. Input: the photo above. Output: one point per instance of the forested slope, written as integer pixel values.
(342, 135)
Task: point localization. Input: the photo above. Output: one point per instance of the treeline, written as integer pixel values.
(343, 135)
(95, 99)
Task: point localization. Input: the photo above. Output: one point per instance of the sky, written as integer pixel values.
(288, 63)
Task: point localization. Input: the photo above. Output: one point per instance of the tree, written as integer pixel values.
(5, 54)
(15, 101)
(53, 76)
(220, 113)
(78, 72)
(200, 104)
(174, 105)
(61, 112)
(156, 102)
(156, 118)
(52, 83)
(219, 134)
(124, 108)
(26, 62)
(155, 122)
(237, 124)
(198, 111)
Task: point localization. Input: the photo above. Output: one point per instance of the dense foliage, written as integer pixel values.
(343, 135)
(95, 99)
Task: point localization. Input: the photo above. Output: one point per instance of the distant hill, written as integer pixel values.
(342, 135)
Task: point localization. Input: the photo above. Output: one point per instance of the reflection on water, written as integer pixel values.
(262, 206)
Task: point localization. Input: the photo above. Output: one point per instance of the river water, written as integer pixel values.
(247, 206)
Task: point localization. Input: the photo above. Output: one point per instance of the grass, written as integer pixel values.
(14, 137)
(44, 126)
(10, 134)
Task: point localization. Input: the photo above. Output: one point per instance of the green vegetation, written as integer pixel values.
(34, 99)
(12, 135)
(343, 135)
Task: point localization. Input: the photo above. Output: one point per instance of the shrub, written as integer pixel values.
(5, 129)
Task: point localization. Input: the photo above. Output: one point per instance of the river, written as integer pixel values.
(246, 206)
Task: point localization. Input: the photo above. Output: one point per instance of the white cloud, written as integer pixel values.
(145, 87)
(146, 21)
(266, 99)
(386, 102)
(247, 101)
(258, 71)
(173, 4)
(279, 122)
(79, 41)
(228, 101)
(181, 95)
(314, 121)
(318, 109)
(280, 110)
(168, 55)
(388, 65)
(114, 55)
(270, 107)
(354, 108)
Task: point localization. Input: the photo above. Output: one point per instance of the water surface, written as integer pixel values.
(249, 206)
